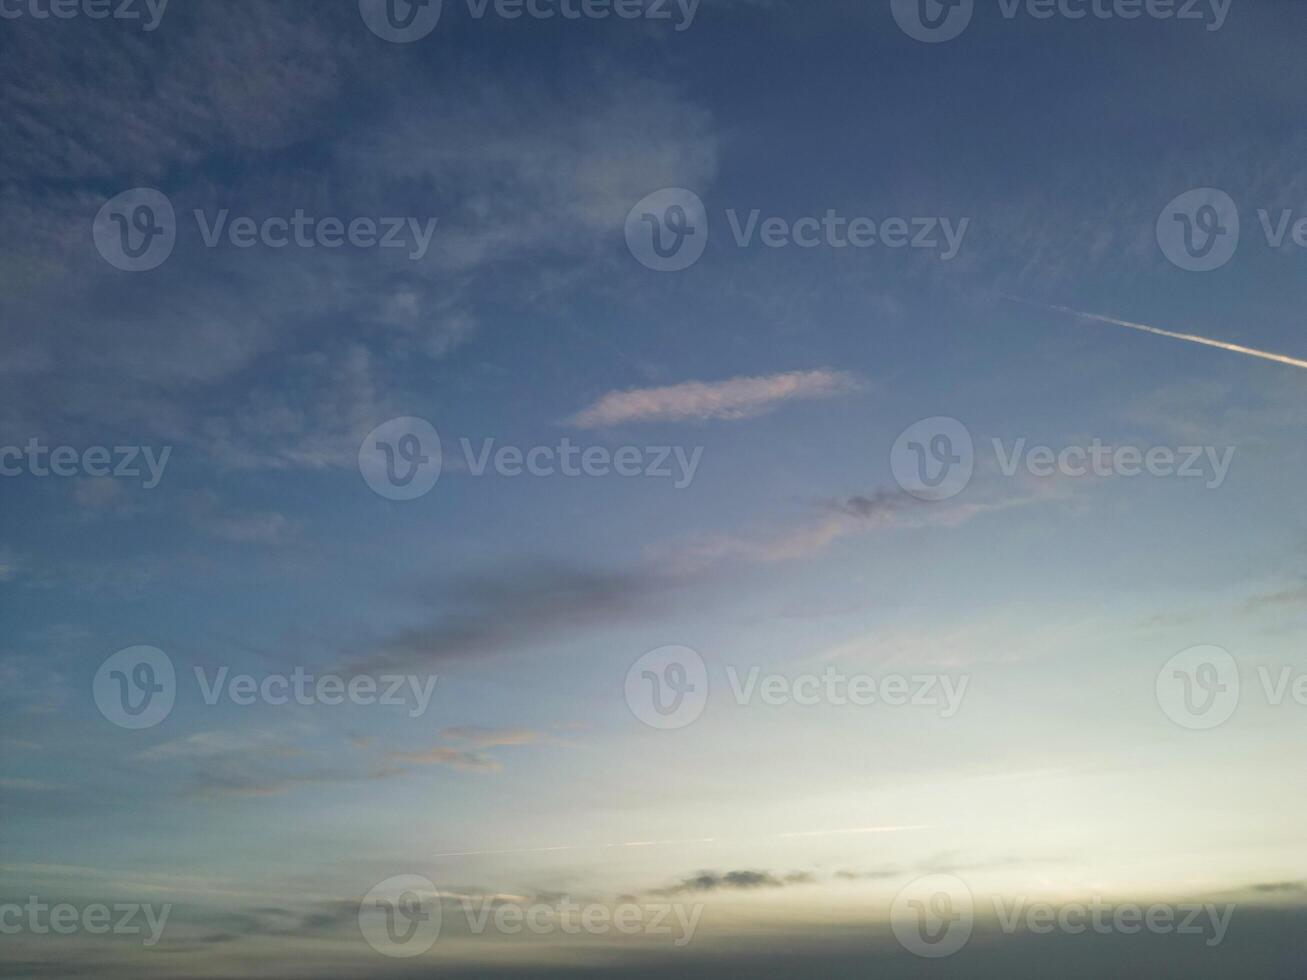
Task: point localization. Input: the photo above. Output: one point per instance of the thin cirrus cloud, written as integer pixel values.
(699, 401)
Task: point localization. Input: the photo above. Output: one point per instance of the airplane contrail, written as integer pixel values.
(1191, 338)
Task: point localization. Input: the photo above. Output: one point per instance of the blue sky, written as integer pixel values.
(787, 373)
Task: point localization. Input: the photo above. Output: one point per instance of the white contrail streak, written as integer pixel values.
(1191, 338)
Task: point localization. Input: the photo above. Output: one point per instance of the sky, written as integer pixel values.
(819, 481)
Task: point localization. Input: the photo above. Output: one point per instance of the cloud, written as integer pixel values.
(9, 565)
(247, 764)
(840, 518)
(492, 613)
(880, 875)
(1281, 888)
(201, 745)
(454, 758)
(314, 417)
(238, 527)
(522, 169)
(251, 76)
(735, 398)
(26, 786)
(712, 881)
(1294, 599)
(103, 496)
(491, 737)
(325, 918)
(279, 359)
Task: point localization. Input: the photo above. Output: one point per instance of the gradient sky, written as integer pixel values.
(262, 549)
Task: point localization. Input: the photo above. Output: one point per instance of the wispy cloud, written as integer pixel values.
(454, 758)
(493, 613)
(838, 519)
(490, 737)
(712, 881)
(735, 398)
